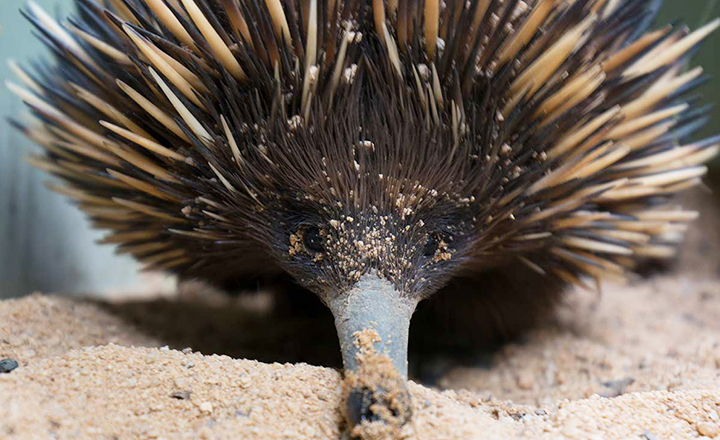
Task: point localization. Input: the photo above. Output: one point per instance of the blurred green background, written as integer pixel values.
(695, 13)
(46, 244)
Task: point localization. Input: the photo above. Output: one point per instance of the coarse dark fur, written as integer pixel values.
(352, 137)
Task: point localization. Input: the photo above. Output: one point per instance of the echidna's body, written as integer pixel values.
(375, 151)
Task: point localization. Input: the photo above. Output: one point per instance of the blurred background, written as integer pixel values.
(46, 244)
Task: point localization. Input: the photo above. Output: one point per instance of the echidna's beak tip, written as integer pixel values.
(391, 407)
(373, 321)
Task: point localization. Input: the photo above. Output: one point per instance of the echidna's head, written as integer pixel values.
(372, 150)
(365, 191)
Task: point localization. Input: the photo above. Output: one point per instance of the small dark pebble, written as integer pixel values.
(181, 395)
(616, 387)
(7, 365)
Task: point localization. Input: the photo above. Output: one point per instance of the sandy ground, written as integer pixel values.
(637, 362)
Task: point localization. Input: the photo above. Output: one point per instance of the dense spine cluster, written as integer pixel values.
(560, 127)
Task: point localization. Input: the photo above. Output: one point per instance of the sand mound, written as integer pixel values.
(652, 350)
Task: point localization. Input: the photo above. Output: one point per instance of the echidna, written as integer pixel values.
(377, 152)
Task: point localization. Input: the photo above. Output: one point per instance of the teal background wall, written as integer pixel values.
(46, 244)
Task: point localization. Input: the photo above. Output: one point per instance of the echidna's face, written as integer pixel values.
(365, 191)
(416, 251)
(329, 220)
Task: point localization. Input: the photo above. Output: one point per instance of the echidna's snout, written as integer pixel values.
(373, 321)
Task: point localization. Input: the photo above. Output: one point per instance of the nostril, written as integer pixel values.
(359, 407)
(364, 405)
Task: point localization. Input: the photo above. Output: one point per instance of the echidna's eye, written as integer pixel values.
(431, 246)
(313, 240)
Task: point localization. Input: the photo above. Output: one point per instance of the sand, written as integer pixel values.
(639, 361)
